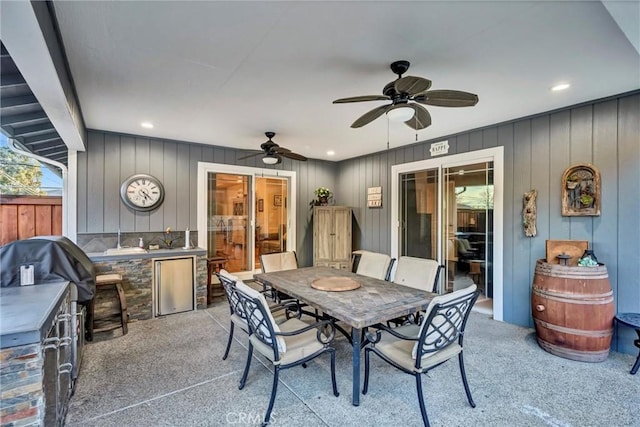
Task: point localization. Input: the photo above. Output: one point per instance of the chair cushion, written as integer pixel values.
(298, 346)
(228, 275)
(278, 261)
(240, 322)
(418, 273)
(440, 320)
(242, 287)
(373, 264)
(400, 351)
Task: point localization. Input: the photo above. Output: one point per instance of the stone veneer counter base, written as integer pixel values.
(137, 274)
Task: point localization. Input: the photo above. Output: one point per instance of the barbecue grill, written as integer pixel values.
(46, 259)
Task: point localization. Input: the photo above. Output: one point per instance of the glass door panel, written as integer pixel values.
(419, 214)
(468, 207)
(229, 222)
(271, 216)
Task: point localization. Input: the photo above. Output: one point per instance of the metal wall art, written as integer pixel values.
(581, 190)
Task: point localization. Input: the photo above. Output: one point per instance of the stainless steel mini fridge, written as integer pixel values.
(174, 285)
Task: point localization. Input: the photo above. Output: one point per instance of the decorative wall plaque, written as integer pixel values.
(581, 190)
(374, 197)
(529, 213)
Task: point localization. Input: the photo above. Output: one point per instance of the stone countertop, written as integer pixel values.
(158, 253)
(375, 301)
(27, 312)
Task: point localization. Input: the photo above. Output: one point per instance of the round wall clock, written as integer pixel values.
(142, 192)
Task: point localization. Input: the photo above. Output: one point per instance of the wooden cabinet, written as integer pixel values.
(332, 236)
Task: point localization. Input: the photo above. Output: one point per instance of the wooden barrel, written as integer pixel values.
(573, 311)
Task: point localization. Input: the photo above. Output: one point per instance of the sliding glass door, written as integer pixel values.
(229, 219)
(244, 212)
(447, 209)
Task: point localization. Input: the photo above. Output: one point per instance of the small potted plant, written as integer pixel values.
(323, 194)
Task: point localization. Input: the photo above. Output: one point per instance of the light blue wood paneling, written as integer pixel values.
(95, 185)
(142, 221)
(628, 212)
(559, 226)
(522, 265)
(111, 183)
(537, 151)
(127, 168)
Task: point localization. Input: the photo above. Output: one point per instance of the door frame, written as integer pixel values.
(495, 155)
(204, 168)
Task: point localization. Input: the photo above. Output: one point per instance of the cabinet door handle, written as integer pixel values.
(50, 343)
(65, 368)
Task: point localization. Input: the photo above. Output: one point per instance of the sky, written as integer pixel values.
(50, 182)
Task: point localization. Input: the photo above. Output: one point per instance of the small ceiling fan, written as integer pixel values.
(401, 92)
(273, 153)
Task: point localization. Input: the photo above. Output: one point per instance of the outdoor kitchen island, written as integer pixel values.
(137, 270)
(36, 361)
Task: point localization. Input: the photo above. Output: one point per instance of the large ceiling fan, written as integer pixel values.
(401, 92)
(273, 153)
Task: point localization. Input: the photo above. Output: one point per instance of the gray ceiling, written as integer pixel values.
(222, 73)
(22, 117)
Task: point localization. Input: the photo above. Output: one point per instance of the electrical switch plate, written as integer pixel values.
(26, 275)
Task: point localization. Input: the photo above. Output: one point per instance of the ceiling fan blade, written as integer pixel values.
(371, 115)
(250, 155)
(421, 119)
(280, 150)
(447, 98)
(362, 98)
(294, 156)
(411, 85)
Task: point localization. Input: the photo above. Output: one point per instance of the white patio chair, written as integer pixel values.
(278, 261)
(416, 350)
(373, 264)
(418, 273)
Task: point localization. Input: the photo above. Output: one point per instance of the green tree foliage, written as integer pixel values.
(19, 174)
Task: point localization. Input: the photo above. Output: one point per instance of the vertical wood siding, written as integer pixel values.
(537, 150)
(111, 158)
(22, 217)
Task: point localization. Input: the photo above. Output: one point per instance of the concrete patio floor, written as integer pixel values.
(169, 372)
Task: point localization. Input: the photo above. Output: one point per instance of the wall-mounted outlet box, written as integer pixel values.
(26, 275)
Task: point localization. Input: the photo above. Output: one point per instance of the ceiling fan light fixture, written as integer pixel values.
(400, 114)
(269, 159)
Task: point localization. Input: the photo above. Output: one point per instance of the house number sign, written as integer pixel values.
(374, 197)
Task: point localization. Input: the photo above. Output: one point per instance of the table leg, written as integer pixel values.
(637, 364)
(355, 341)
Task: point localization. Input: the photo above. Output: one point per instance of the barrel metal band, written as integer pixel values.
(591, 299)
(580, 332)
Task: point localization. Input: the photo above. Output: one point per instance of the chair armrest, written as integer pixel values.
(380, 327)
(325, 331)
(291, 306)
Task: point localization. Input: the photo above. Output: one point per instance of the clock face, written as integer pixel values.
(142, 192)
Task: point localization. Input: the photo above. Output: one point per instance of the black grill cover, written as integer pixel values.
(54, 258)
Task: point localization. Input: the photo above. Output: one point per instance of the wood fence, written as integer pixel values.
(22, 217)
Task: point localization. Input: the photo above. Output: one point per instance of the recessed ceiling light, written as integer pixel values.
(147, 125)
(561, 86)
(331, 153)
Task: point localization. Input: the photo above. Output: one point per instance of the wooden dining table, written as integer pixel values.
(375, 301)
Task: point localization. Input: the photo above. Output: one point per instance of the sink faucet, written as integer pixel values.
(118, 246)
